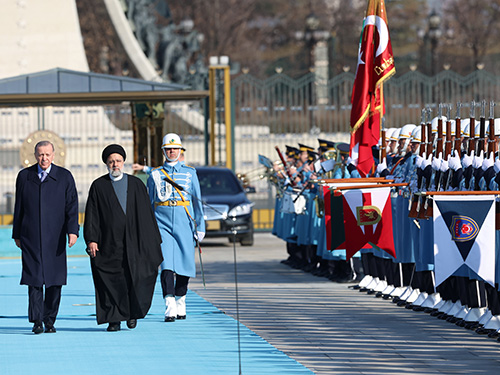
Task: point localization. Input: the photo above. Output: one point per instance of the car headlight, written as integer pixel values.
(242, 209)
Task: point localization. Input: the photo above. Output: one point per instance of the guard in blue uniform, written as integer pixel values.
(179, 213)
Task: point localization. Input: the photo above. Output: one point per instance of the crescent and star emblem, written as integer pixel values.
(383, 33)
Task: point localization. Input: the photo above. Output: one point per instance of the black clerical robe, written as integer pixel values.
(126, 265)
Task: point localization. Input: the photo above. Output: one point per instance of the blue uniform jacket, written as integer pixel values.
(177, 227)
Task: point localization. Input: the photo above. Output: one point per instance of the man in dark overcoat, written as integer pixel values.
(46, 211)
(123, 242)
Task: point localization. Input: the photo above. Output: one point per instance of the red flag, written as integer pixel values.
(368, 218)
(375, 65)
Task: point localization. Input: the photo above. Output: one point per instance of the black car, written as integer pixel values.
(227, 207)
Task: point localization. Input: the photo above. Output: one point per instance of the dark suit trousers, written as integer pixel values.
(44, 310)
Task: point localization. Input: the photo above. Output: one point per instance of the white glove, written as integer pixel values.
(382, 166)
(488, 162)
(348, 161)
(467, 160)
(427, 162)
(496, 166)
(436, 162)
(419, 160)
(478, 161)
(454, 162)
(444, 165)
(199, 236)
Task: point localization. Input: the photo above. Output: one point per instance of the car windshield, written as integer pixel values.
(218, 182)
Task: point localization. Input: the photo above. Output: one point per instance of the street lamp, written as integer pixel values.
(434, 34)
(317, 48)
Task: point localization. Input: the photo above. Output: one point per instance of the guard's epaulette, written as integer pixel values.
(185, 165)
(154, 169)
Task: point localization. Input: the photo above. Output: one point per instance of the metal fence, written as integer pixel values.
(267, 113)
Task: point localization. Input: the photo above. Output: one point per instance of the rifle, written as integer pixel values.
(491, 135)
(478, 173)
(288, 173)
(437, 174)
(457, 146)
(458, 132)
(447, 152)
(383, 148)
(472, 128)
(426, 172)
(482, 129)
(415, 200)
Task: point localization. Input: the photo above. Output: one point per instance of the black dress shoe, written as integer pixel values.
(170, 318)
(181, 317)
(418, 308)
(113, 327)
(49, 328)
(132, 323)
(37, 328)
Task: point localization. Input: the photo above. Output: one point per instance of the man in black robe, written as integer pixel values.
(123, 242)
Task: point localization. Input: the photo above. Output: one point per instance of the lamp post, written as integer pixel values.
(220, 101)
(434, 34)
(316, 43)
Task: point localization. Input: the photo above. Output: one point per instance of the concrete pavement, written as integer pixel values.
(330, 328)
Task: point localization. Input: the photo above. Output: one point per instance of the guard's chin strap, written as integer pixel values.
(171, 160)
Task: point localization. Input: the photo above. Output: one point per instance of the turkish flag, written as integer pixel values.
(368, 219)
(375, 66)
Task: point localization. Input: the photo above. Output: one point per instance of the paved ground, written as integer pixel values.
(329, 328)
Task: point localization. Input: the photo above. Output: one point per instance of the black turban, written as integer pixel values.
(113, 149)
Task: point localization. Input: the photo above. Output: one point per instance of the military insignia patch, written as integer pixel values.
(463, 228)
(368, 215)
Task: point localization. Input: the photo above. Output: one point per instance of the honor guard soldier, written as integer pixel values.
(175, 195)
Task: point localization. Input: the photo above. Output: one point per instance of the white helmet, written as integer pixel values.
(416, 135)
(466, 130)
(497, 127)
(171, 140)
(406, 131)
(395, 134)
(388, 133)
(477, 131)
(464, 123)
(434, 123)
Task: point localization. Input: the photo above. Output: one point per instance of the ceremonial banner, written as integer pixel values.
(375, 66)
(464, 234)
(334, 220)
(368, 219)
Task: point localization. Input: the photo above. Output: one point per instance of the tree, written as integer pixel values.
(474, 25)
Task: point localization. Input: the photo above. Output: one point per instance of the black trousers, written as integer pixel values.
(173, 284)
(44, 309)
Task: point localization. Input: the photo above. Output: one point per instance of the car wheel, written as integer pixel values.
(247, 240)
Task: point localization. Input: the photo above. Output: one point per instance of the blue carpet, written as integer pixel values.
(205, 343)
